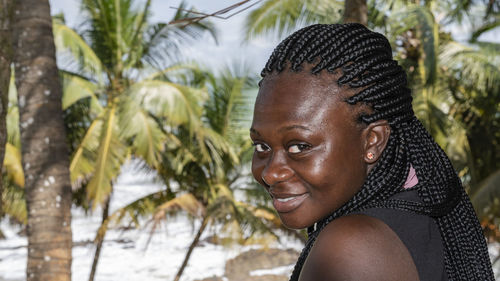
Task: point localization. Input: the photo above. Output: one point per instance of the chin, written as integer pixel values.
(293, 223)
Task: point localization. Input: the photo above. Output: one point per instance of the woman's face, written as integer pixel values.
(309, 151)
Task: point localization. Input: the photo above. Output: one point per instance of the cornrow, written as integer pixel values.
(365, 60)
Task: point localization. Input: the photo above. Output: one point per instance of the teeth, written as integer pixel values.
(285, 199)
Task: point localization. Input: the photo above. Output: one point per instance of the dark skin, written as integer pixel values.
(311, 155)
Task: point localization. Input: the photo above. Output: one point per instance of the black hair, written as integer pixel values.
(365, 59)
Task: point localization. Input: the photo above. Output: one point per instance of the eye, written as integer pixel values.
(260, 147)
(297, 148)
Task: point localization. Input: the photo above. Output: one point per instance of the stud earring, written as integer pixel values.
(370, 156)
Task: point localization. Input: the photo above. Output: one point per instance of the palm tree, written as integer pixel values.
(6, 54)
(43, 141)
(117, 103)
(209, 169)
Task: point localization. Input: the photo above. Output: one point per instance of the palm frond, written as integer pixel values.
(186, 202)
(148, 138)
(110, 156)
(12, 165)
(14, 203)
(163, 42)
(66, 39)
(76, 88)
(178, 104)
(141, 207)
(84, 158)
(486, 27)
(477, 68)
(280, 17)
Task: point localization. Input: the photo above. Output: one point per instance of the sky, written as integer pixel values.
(230, 48)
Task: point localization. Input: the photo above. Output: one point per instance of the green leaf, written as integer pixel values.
(14, 203)
(111, 154)
(84, 158)
(148, 138)
(284, 16)
(66, 39)
(478, 68)
(12, 165)
(178, 104)
(76, 88)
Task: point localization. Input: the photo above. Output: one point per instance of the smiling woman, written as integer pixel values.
(338, 148)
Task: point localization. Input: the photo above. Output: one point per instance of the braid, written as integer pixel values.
(365, 60)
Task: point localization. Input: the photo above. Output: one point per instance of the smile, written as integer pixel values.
(289, 203)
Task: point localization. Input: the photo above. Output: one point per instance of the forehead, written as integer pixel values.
(301, 89)
(301, 98)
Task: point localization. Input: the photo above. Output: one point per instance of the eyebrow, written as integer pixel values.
(252, 130)
(287, 128)
(293, 127)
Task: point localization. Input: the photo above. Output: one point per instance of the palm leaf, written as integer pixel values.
(13, 166)
(163, 42)
(430, 106)
(111, 154)
(148, 138)
(83, 159)
(281, 17)
(66, 39)
(485, 27)
(14, 203)
(141, 207)
(478, 68)
(178, 104)
(186, 202)
(76, 88)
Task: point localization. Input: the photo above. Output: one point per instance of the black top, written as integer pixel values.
(419, 233)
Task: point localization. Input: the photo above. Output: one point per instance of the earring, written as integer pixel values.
(370, 156)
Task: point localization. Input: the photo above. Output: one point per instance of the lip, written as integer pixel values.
(293, 203)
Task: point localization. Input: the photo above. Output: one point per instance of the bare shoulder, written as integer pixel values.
(358, 247)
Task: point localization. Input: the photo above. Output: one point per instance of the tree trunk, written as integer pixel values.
(43, 141)
(100, 238)
(6, 53)
(204, 224)
(356, 11)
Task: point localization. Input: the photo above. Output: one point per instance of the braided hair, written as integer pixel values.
(365, 59)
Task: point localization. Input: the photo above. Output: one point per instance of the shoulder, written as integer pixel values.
(358, 247)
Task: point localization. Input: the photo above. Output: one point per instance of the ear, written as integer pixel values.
(376, 135)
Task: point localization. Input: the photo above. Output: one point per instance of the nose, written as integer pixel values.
(276, 170)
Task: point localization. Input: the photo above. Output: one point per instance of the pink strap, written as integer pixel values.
(412, 179)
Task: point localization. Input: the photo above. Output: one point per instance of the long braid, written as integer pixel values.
(365, 59)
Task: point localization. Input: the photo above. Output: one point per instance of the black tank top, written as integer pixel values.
(419, 233)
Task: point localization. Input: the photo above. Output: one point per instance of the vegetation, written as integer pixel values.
(6, 54)
(127, 94)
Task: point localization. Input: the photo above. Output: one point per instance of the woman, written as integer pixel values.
(340, 151)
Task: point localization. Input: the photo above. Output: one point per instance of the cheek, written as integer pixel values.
(257, 167)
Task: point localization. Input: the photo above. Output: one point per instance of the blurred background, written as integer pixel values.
(153, 99)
